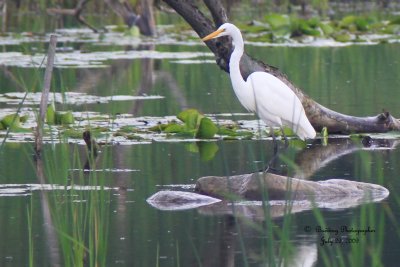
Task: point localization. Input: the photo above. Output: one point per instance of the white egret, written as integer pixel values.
(273, 101)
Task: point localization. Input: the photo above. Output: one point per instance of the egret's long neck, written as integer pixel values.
(234, 61)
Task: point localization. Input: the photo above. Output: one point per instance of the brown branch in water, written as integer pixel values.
(318, 115)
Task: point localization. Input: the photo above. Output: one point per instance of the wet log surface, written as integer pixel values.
(268, 186)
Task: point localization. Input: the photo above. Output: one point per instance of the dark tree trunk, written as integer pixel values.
(318, 115)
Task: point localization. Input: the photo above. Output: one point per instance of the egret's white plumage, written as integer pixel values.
(273, 101)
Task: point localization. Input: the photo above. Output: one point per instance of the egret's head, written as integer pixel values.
(223, 30)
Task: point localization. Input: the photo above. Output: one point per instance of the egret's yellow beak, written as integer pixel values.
(213, 35)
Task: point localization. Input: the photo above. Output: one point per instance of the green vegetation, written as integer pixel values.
(278, 28)
(54, 117)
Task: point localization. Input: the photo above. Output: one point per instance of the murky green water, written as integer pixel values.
(119, 228)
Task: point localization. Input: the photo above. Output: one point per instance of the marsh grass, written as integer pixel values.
(29, 214)
(77, 226)
(80, 217)
(366, 250)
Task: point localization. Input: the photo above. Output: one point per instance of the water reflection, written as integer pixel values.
(310, 160)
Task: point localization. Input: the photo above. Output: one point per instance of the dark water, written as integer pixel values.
(118, 228)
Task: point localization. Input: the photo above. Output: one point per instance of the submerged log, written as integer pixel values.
(318, 115)
(244, 195)
(269, 186)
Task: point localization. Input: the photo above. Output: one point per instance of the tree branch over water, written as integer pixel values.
(318, 115)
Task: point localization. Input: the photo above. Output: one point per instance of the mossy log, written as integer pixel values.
(318, 115)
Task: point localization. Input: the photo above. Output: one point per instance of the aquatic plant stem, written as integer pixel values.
(45, 94)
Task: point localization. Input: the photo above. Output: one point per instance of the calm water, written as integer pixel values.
(119, 228)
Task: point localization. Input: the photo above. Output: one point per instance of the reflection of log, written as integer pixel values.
(268, 186)
(312, 159)
(3, 7)
(53, 248)
(316, 157)
(178, 200)
(318, 115)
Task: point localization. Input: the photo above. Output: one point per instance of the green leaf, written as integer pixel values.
(51, 114)
(191, 118)
(278, 21)
(207, 129)
(174, 128)
(324, 132)
(158, 128)
(308, 30)
(11, 121)
(362, 24)
(65, 117)
(132, 32)
(347, 21)
(326, 28)
(342, 37)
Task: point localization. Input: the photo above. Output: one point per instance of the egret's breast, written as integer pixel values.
(245, 93)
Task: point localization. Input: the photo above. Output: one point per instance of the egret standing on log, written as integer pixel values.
(273, 101)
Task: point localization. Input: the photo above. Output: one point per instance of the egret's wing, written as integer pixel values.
(275, 100)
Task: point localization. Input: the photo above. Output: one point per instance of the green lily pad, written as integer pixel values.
(278, 21)
(158, 128)
(174, 128)
(342, 37)
(207, 129)
(191, 118)
(11, 121)
(347, 21)
(65, 117)
(326, 28)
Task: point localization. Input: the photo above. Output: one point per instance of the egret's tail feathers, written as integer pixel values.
(305, 131)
